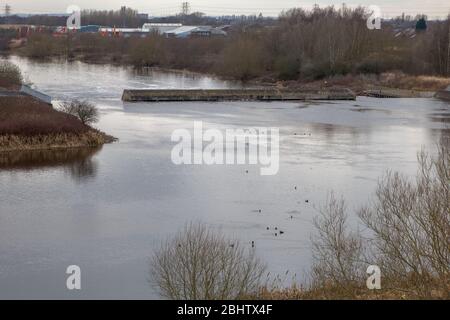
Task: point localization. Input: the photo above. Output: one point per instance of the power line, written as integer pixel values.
(185, 8)
(7, 10)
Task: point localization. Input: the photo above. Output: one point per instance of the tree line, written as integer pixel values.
(300, 45)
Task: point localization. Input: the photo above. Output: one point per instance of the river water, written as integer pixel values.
(107, 209)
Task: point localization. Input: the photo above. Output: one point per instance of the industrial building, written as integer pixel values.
(169, 30)
(160, 27)
(194, 31)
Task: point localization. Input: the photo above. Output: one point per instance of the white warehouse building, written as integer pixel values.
(177, 30)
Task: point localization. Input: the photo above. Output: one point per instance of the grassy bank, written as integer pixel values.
(337, 293)
(394, 83)
(28, 124)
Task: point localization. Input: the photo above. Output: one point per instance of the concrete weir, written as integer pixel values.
(265, 94)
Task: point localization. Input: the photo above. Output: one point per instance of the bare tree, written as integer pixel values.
(85, 111)
(337, 252)
(408, 236)
(201, 264)
(410, 222)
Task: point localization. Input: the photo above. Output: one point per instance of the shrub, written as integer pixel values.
(199, 264)
(86, 112)
(5, 37)
(148, 52)
(288, 67)
(27, 116)
(336, 251)
(244, 59)
(408, 236)
(41, 46)
(410, 223)
(10, 74)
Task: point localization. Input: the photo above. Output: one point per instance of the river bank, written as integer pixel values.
(384, 85)
(29, 124)
(394, 84)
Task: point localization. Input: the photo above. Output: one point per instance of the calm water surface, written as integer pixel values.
(107, 209)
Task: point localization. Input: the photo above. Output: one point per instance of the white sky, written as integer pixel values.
(433, 8)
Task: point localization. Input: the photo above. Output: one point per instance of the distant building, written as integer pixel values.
(225, 28)
(407, 33)
(143, 16)
(180, 32)
(169, 30)
(207, 31)
(160, 27)
(194, 31)
(124, 32)
(89, 29)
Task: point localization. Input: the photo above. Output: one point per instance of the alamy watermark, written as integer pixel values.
(74, 20)
(73, 281)
(374, 20)
(374, 280)
(252, 146)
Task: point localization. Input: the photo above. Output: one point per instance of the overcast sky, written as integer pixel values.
(433, 8)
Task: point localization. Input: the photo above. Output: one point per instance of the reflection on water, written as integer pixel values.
(75, 162)
(440, 117)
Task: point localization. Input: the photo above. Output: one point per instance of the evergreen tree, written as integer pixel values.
(421, 24)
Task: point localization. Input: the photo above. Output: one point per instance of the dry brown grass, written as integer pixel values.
(335, 293)
(420, 83)
(28, 124)
(408, 85)
(89, 138)
(23, 115)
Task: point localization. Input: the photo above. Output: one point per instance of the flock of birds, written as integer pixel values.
(276, 229)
